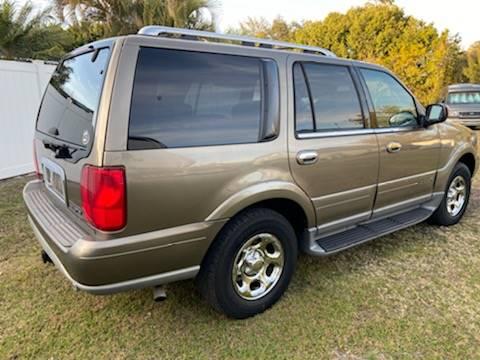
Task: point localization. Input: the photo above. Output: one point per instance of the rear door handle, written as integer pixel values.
(394, 147)
(307, 157)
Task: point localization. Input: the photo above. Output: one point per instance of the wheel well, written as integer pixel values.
(291, 210)
(469, 160)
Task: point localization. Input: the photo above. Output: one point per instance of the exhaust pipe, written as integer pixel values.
(159, 293)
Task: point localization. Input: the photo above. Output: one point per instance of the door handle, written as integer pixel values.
(394, 147)
(308, 157)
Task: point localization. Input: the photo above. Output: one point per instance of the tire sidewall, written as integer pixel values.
(463, 171)
(224, 286)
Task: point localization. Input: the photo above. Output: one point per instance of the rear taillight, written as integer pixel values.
(35, 161)
(103, 197)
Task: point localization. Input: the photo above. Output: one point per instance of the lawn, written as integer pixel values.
(415, 293)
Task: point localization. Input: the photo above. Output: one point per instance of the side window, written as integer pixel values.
(394, 106)
(333, 95)
(184, 99)
(303, 107)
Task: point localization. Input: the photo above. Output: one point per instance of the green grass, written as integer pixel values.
(415, 293)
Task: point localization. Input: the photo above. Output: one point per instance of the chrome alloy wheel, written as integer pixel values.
(258, 266)
(456, 196)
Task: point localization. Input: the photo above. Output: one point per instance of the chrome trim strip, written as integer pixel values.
(157, 30)
(396, 129)
(363, 188)
(343, 202)
(368, 131)
(325, 134)
(427, 173)
(149, 281)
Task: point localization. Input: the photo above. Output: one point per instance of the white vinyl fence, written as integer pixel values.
(21, 89)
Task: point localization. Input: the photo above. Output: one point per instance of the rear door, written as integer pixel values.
(68, 121)
(333, 152)
(409, 153)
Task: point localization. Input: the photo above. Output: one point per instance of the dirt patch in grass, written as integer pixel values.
(415, 293)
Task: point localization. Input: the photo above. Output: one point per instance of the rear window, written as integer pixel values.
(72, 96)
(184, 99)
(464, 97)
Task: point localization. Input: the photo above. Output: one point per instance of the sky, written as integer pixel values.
(459, 16)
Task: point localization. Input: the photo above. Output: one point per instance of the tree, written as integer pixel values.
(472, 68)
(25, 33)
(260, 27)
(102, 18)
(382, 33)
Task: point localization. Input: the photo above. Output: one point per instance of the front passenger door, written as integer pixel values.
(409, 153)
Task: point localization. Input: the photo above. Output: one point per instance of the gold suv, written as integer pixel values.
(175, 154)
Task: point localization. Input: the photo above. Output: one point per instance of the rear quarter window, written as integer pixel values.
(184, 99)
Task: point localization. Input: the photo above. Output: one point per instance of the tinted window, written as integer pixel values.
(72, 97)
(464, 97)
(185, 99)
(335, 100)
(303, 107)
(393, 104)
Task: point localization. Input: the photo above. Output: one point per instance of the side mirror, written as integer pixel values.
(436, 113)
(402, 119)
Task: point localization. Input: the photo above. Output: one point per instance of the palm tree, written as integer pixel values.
(16, 26)
(26, 33)
(117, 17)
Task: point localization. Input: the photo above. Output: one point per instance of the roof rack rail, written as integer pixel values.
(165, 31)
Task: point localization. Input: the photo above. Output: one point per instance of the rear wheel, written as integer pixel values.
(456, 197)
(250, 264)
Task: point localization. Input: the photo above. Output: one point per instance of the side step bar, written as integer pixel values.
(364, 232)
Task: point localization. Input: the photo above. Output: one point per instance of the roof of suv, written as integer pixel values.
(163, 32)
(187, 34)
(463, 87)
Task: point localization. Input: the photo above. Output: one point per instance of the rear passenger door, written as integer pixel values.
(333, 152)
(409, 153)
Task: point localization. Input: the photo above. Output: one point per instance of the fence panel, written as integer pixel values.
(21, 89)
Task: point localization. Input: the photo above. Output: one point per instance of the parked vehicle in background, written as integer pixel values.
(165, 158)
(463, 102)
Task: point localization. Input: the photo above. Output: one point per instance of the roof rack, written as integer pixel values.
(165, 31)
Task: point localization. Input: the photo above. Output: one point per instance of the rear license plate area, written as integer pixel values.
(54, 178)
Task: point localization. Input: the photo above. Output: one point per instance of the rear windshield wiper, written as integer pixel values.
(62, 151)
(133, 142)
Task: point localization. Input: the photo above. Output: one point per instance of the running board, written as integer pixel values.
(365, 232)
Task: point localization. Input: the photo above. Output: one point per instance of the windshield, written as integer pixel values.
(72, 97)
(464, 97)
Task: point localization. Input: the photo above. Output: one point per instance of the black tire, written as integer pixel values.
(214, 280)
(442, 216)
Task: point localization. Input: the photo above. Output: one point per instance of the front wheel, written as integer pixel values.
(250, 264)
(455, 200)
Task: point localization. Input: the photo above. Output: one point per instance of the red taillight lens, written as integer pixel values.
(103, 197)
(35, 162)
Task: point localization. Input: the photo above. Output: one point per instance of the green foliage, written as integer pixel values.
(381, 33)
(25, 33)
(93, 19)
(472, 68)
(278, 29)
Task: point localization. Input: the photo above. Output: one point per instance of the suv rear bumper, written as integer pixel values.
(108, 266)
